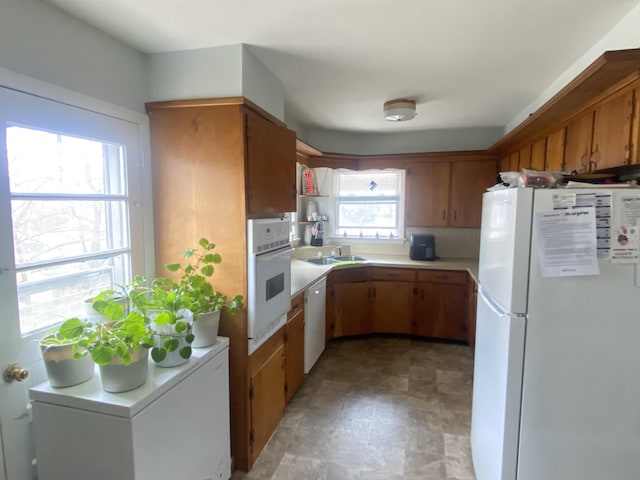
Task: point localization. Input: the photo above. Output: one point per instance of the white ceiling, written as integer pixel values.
(467, 63)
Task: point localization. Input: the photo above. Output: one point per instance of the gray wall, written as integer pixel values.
(261, 86)
(204, 73)
(401, 142)
(47, 44)
(228, 71)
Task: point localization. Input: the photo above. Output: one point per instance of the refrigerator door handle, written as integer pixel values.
(497, 309)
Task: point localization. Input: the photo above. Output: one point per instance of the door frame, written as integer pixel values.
(48, 91)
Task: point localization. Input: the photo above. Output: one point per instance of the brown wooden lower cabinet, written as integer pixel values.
(294, 349)
(276, 370)
(351, 309)
(424, 302)
(267, 399)
(441, 304)
(348, 297)
(391, 307)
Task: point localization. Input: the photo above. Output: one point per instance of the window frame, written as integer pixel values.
(398, 200)
(21, 108)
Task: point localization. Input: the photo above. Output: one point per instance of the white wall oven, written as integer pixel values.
(269, 277)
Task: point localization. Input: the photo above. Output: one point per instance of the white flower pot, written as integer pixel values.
(205, 329)
(117, 377)
(173, 359)
(62, 369)
(90, 314)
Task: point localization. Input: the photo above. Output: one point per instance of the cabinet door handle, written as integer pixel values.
(584, 162)
(374, 292)
(595, 158)
(444, 214)
(455, 215)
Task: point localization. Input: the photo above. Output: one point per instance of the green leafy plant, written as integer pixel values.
(62, 335)
(105, 341)
(167, 308)
(194, 288)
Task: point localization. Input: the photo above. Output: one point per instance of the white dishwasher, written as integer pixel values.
(314, 322)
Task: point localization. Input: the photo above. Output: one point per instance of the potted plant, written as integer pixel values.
(199, 296)
(120, 297)
(118, 345)
(66, 363)
(166, 309)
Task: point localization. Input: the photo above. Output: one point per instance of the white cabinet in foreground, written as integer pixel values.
(175, 426)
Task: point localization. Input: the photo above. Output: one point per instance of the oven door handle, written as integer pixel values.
(267, 257)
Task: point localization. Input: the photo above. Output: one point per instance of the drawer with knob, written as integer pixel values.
(443, 276)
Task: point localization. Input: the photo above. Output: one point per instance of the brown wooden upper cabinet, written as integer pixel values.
(427, 194)
(600, 137)
(524, 157)
(555, 150)
(447, 194)
(514, 162)
(613, 122)
(271, 166)
(469, 180)
(577, 150)
(538, 154)
(226, 142)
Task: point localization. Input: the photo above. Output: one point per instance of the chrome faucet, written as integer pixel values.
(339, 250)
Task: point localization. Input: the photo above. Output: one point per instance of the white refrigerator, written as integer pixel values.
(556, 393)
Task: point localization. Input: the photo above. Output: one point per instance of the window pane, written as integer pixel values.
(370, 184)
(49, 295)
(367, 215)
(68, 200)
(369, 204)
(58, 229)
(45, 162)
(371, 220)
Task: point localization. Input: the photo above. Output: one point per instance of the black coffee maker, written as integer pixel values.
(423, 247)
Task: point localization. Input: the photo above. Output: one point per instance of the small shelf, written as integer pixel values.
(302, 195)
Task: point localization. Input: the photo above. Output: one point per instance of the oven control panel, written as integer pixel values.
(266, 234)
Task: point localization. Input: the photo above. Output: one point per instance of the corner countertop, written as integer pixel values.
(304, 274)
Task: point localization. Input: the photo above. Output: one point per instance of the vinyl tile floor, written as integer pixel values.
(376, 408)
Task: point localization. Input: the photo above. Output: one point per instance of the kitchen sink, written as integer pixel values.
(332, 260)
(349, 258)
(321, 260)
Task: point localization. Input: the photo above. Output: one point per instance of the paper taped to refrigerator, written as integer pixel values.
(567, 243)
(625, 240)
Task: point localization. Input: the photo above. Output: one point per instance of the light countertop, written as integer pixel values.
(303, 274)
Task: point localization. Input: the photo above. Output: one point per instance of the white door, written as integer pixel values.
(497, 391)
(65, 174)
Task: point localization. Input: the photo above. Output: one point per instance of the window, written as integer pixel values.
(370, 204)
(70, 183)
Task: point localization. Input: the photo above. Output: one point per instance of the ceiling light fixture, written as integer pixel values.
(399, 110)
